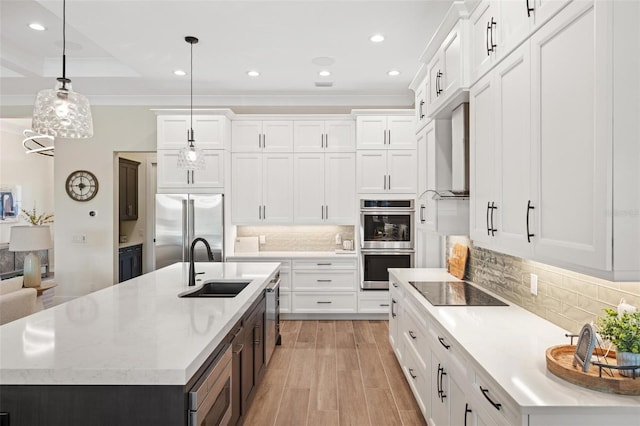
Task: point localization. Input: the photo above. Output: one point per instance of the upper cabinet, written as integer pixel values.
(544, 143)
(386, 132)
(128, 189)
(499, 26)
(211, 132)
(259, 136)
(420, 85)
(324, 136)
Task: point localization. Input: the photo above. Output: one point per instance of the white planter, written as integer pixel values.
(628, 358)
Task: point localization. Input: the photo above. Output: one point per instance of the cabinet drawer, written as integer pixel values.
(374, 306)
(416, 377)
(415, 333)
(448, 349)
(322, 264)
(495, 401)
(324, 281)
(321, 302)
(285, 302)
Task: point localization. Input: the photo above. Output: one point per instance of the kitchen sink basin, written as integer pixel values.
(216, 288)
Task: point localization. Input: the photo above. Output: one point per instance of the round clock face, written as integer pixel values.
(82, 185)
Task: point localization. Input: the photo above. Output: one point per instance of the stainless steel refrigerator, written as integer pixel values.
(182, 217)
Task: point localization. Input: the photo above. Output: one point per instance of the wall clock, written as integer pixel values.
(82, 185)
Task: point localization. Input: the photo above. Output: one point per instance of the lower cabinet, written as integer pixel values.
(253, 354)
(130, 262)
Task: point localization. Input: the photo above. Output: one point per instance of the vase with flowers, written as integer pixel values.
(622, 329)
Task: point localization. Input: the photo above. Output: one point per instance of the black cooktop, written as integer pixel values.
(450, 293)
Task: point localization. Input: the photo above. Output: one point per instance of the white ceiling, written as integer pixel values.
(124, 52)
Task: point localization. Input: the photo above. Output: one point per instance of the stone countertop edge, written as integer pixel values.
(138, 332)
(509, 344)
(293, 254)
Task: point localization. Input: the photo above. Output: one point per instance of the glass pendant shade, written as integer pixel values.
(191, 158)
(62, 113)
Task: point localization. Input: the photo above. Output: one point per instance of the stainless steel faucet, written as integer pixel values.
(192, 272)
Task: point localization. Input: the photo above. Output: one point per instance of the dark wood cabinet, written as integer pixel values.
(128, 177)
(130, 259)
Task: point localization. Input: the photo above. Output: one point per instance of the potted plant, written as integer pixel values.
(623, 330)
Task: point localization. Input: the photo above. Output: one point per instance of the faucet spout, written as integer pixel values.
(192, 272)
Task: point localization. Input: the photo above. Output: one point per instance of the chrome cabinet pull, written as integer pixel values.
(389, 136)
(493, 24)
(326, 140)
(421, 114)
(488, 29)
(422, 209)
(259, 212)
(389, 178)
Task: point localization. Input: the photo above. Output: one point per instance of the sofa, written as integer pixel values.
(16, 301)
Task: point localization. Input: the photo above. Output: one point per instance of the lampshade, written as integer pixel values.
(62, 113)
(29, 238)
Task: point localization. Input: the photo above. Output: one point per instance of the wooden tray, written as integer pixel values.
(560, 363)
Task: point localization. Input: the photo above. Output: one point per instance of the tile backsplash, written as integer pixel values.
(298, 238)
(566, 298)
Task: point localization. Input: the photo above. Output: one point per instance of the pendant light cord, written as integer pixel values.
(191, 72)
(64, 40)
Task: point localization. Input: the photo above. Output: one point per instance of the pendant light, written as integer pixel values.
(61, 112)
(190, 157)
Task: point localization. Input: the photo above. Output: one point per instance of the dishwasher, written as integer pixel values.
(272, 323)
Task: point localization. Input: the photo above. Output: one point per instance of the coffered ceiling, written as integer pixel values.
(125, 52)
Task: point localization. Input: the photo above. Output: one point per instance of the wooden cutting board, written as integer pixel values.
(458, 261)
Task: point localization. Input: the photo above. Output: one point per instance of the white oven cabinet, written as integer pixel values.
(386, 171)
(385, 132)
(210, 131)
(324, 136)
(262, 136)
(261, 188)
(324, 188)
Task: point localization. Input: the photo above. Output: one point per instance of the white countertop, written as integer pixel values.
(137, 332)
(295, 254)
(509, 343)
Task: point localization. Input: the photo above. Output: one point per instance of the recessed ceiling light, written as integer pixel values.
(393, 73)
(180, 73)
(324, 73)
(36, 26)
(377, 38)
(253, 73)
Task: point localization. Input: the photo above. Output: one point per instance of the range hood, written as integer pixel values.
(459, 156)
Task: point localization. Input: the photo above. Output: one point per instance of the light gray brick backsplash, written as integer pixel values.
(566, 298)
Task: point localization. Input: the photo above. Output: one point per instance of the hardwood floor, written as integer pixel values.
(334, 373)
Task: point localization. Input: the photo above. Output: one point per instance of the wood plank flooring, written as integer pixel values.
(334, 373)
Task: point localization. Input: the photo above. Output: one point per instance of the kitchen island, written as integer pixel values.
(135, 335)
(486, 364)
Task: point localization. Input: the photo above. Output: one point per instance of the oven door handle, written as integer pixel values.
(385, 252)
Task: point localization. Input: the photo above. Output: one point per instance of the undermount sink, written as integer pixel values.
(217, 288)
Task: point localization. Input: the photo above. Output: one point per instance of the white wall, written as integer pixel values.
(33, 172)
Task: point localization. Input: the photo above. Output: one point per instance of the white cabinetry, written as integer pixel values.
(421, 105)
(396, 296)
(387, 171)
(212, 136)
(324, 286)
(324, 136)
(324, 188)
(556, 207)
(259, 136)
(262, 188)
(448, 70)
(385, 132)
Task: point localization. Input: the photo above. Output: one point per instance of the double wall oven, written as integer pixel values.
(387, 240)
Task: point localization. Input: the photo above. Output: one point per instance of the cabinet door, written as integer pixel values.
(421, 154)
(395, 314)
(401, 132)
(402, 174)
(371, 132)
(420, 103)
(209, 131)
(452, 55)
(515, 22)
(246, 136)
(131, 173)
(259, 356)
(483, 164)
(308, 188)
(460, 409)
(340, 188)
(122, 191)
(340, 136)
(482, 56)
(246, 364)
(371, 168)
(440, 390)
(545, 9)
(277, 136)
(169, 175)
(172, 131)
(435, 74)
(246, 188)
(277, 188)
(308, 136)
(213, 174)
(572, 136)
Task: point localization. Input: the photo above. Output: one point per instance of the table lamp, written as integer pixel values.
(31, 239)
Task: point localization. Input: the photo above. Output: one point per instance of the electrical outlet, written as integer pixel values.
(534, 284)
(338, 239)
(79, 238)
(263, 239)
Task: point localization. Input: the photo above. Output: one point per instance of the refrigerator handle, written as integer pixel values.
(185, 234)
